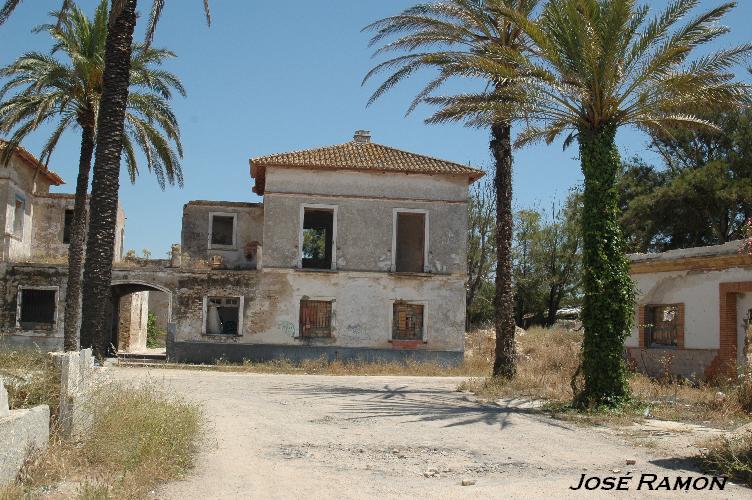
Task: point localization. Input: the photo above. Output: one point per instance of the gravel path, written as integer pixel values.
(290, 436)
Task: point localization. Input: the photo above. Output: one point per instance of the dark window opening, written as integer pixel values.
(407, 321)
(222, 315)
(410, 246)
(67, 226)
(18, 216)
(222, 230)
(662, 325)
(37, 309)
(318, 228)
(315, 318)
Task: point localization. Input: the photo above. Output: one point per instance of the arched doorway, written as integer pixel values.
(139, 313)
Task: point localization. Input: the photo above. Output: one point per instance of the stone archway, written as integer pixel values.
(128, 316)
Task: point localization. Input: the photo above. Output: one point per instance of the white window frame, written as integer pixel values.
(215, 246)
(298, 335)
(21, 288)
(390, 315)
(426, 243)
(241, 314)
(317, 206)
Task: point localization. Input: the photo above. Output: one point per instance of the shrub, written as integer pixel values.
(731, 456)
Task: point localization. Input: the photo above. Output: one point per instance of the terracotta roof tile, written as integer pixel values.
(359, 155)
(32, 161)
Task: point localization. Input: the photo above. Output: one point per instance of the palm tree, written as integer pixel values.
(69, 93)
(105, 184)
(600, 65)
(465, 38)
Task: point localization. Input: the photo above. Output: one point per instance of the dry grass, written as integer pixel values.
(548, 358)
(731, 456)
(140, 436)
(31, 379)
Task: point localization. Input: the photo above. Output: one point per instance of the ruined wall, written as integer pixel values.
(132, 321)
(195, 233)
(30, 275)
(48, 227)
(365, 216)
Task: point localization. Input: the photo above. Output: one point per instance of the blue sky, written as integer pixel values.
(278, 76)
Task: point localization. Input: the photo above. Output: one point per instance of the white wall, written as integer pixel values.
(699, 291)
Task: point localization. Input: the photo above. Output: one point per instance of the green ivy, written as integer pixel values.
(608, 306)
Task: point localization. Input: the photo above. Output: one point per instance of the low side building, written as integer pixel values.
(694, 310)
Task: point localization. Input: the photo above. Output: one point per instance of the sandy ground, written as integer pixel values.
(291, 436)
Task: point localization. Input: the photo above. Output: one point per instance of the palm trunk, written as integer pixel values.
(607, 308)
(105, 184)
(76, 244)
(501, 147)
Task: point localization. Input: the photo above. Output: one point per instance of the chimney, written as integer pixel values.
(362, 136)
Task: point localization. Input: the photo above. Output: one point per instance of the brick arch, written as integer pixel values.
(725, 362)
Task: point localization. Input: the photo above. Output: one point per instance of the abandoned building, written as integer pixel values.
(356, 251)
(694, 311)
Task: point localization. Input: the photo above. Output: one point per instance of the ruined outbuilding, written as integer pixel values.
(357, 251)
(694, 311)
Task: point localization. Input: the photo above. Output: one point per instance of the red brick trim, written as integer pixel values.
(641, 321)
(725, 362)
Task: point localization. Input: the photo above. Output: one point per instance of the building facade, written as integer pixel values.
(357, 251)
(694, 311)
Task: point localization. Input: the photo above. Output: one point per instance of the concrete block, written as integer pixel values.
(22, 432)
(4, 411)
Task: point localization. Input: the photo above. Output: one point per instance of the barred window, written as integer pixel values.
(37, 309)
(407, 321)
(662, 325)
(315, 318)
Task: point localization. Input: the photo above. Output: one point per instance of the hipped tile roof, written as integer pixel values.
(32, 161)
(359, 155)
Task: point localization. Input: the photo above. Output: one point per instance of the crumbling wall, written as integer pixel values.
(195, 234)
(49, 224)
(132, 321)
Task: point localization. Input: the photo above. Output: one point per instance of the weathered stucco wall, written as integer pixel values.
(365, 216)
(195, 233)
(362, 309)
(699, 291)
(48, 227)
(132, 318)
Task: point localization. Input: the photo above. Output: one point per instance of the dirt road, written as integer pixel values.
(289, 436)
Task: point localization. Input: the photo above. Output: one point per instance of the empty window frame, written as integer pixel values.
(18, 216)
(222, 228)
(407, 321)
(223, 315)
(662, 328)
(315, 318)
(410, 241)
(37, 308)
(318, 235)
(67, 225)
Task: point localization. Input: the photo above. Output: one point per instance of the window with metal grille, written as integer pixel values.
(407, 321)
(37, 309)
(662, 325)
(315, 318)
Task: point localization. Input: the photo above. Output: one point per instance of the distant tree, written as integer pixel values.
(547, 262)
(481, 253)
(67, 91)
(701, 195)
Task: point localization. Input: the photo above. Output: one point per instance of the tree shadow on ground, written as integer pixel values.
(414, 405)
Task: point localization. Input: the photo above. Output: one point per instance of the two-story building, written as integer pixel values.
(357, 251)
